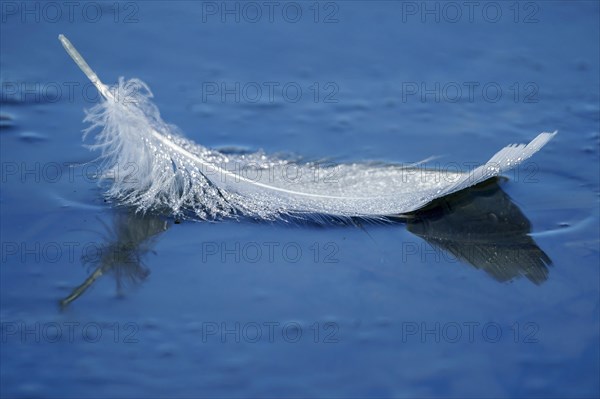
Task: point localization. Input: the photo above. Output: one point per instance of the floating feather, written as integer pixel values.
(171, 172)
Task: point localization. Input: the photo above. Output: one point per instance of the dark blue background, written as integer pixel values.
(369, 52)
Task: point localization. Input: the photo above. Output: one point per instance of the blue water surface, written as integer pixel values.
(490, 293)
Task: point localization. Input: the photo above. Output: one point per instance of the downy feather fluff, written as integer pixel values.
(160, 169)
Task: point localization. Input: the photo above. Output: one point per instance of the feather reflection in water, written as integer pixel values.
(130, 239)
(483, 227)
(480, 226)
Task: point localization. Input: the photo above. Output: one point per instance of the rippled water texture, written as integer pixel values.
(491, 292)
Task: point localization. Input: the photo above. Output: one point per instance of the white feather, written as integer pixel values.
(157, 169)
